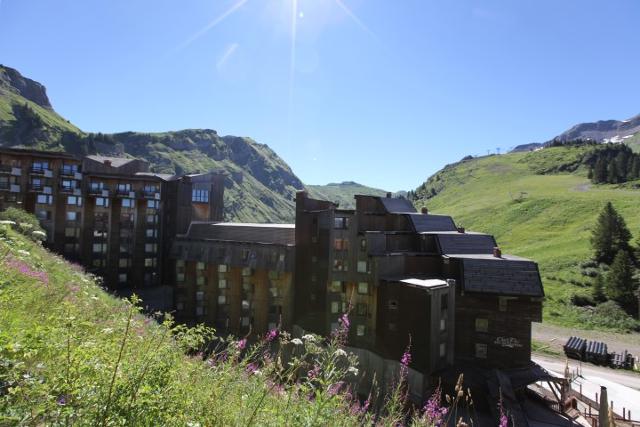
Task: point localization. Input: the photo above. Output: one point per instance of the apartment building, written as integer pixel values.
(110, 214)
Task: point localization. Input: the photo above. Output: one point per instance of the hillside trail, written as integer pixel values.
(555, 337)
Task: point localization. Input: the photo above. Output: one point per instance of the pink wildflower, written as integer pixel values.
(433, 410)
(271, 335)
(241, 344)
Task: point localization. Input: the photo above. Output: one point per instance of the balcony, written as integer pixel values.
(47, 173)
(126, 194)
(5, 169)
(69, 190)
(70, 173)
(149, 195)
(99, 191)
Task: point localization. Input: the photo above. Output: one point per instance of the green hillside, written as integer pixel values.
(534, 210)
(343, 192)
(71, 354)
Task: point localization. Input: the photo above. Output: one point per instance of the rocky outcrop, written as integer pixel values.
(12, 80)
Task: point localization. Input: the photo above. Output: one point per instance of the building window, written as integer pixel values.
(122, 277)
(68, 169)
(200, 296)
(74, 200)
(222, 299)
(199, 311)
(44, 199)
(150, 262)
(363, 244)
(152, 219)
(246, 271)
(123, 188)
(128, 203)
(393, 304)
(152, 233)
(481, 351)
(102, 201)
(95, 187)
(222, 283)
(341, 223)
(153, 204)
(482, 325)
(69, 184)
(72, 216)
(200, 265)
(392, 327)
(72, 232)
(222, 268)
(340, 265)
(361, 309)
(200, 196)
(151, 247)
(360, 330)
(341, 244)
(336, 286)
(43, 215)
(363, 266)
(99, 248)
(444, 301)
(71, 247)
(40, 165)
(335, 307)
(200, 281)
(443, 324)
(124, 262)
(443, 349)
(180, 306)
(363, 288)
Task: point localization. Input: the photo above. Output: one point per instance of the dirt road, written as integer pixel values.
(556, 336)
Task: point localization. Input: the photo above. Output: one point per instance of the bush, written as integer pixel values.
(609, 315)
(27, 223)
(582, 300)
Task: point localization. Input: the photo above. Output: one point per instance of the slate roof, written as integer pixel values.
(465, 243)
(162, 176)
(424, 223)
(278, 234)
(397, 205)
(116, 162)
(503, 276)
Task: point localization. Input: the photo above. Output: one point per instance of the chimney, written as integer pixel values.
(389, 195)
(107, 162)
(301, 194)
(497, 252)
(461, 230)
(424, 211)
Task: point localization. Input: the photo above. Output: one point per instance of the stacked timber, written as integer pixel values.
(596, 352)
(575, 348)
(623, 360)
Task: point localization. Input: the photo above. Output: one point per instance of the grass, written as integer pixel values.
(547, 218)
(543, 348)
(71, 354)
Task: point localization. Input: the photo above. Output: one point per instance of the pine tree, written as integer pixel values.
(620, 284)
(612, 175)
(610, 235)
(600, 171)
(597, 291)
(634, 170)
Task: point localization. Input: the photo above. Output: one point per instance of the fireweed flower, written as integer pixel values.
(433, 410)
(341, 333)
(241, 344)
(271, 335)
(335, 388)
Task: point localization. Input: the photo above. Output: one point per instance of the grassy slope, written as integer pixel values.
(60, 341)
(342, 193)
(551, 224)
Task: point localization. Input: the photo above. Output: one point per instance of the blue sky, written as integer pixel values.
(380, 92)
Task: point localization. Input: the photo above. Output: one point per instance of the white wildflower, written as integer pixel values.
(39, 233)
(309, 337)
(7, 222)
(23, 252)
(353, 370)
(296, 341)
(340, 352)
(107, 330)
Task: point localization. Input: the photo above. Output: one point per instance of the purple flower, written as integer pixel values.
(433, 410)
(26, 270)
(406, 357)
(342, 331)
(241, 344)
(504, 421)
(251, 368)
(335, 388)
(62, 399)
(314, 373)
(271, 335)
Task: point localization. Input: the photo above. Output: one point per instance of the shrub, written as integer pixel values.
(582, 300)
(609, 315)
(27, 223)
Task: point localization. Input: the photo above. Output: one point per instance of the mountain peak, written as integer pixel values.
(12, 80)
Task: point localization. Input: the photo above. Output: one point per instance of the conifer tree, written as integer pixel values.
(597, 291)
(620, 285)
(610, 235)
(612, 175)
(600, 171)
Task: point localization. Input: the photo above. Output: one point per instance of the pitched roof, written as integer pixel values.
(465, 243)
(504, 276)
(279, 234)
(397, 205)
(424, 223)
(116, 162)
